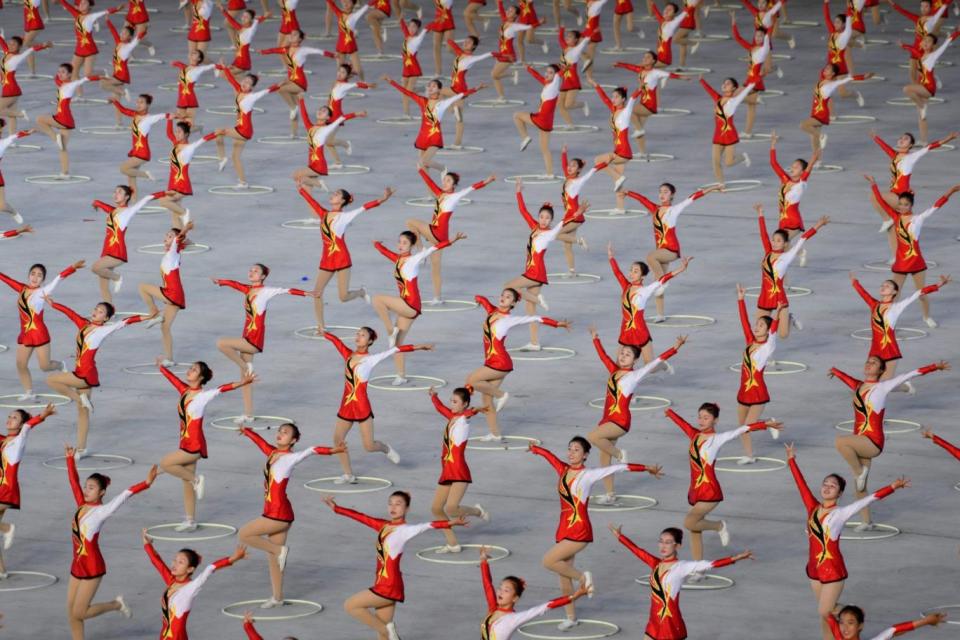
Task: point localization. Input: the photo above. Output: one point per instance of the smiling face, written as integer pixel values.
(777, 242)
(830, 489)
(255, 274)
(705, 420)
(828, 73)
(507, 595)
(397, 508)
(635, 275)
(180, 566)
(404, 245)
(448, 183)
(194, 58)
(667, 547)
(120, 197)
(36, 277)
(576, 456)
(904, 205)
(246, 85)
(63, 74)
(14, 423)
(648, 59)
(193, 375)
(758, 38)
(728, 87)
(91, 491)
(433, 90)
(849, 627)
(625, 357)
(457, 404)
(246, 18)
(573, 168)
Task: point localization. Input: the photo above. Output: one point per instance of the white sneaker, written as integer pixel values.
(392, 631)
(185, 218)
(450, 548)
(222, 163)
(746, 159)
(250, 373)
(392, 338)
(491, 437)
(484, 514)
(271, 603)
(525, 143)
(516, 79)
(366, 296)
(282, 557)
(79, 454)
(668, 368)
(124, 607)
(152, 322)
(293, 114)
(795, 322)
(586, 109)
(434, 302)
(8, 535)
(498, 405)
(347, 478)
(659, 319)
(909, 388)
(623, 456)
(531, 347)
(930, 322)
(605, 499)
(638, 133)
(823, 141)
(60, 142)
(199, 486)
(542, 302)
(398, 381)
(126, 94)
(544, 47)
(583, 243)
(588, 583)
(568, 624)
(349, 148)
(861, 480)
(792, 43)
(803, 257)
(619, 183)
(774, 433)
(779, 72)
(27, 396)
(85, 402)
(17, 218)
(167, 363)
(724, 533)
(745, 460)
(240, 420)
(117, 284)
(885, 226)
(186, 526)
(152, 50)
(242, 185)
(4, 575)
(864, 526)
(860, 101)
(392, 455)
(696, 45)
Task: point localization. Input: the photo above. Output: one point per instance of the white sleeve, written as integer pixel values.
(839, 516)
(735, 101)
(595, 474)
(723, 437)
(373, 359)
(6, 142)
(133, 209)
(111, 507)
(196, 72)
(345, 218)
(887, 634)
(48, 288)
(844, 37)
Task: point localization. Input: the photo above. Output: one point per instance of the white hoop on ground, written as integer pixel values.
(802, 24)
(24, 148)
(608, 214)
(568, 129)
(323, 97)
(281, 139)
(684, 321)
(545, 353)
(942, 607)
(793, 292)
(56, 179)
(909, 426)
(622, 51)
(349, 170)
(43, 399)
(430, 202)
(534, 178)
(754, 137)
(710, 582)
(827, 168)
(380, 57)
(322, 37)
(302, 223)
(450, 305)
(464, 150)
(158, 250)
(71, 43)
(204, 531)
(652, 157)
(127, 314)
(710, 37)
(624, 502)
(880, 532)
(876, 78)
(173, 86)
(151, 369)
(907, 102)
(692, 71)
(152, 210)
(493, 103)
(381, 383)
(523, 442)
(199, 159)
(364, 484)
(772, 93)
(883, 265)
(89, 462)
(228, 110)
(34, 77)
(575, 278)
(853, 119)
(736, 185)
(902, 333)
(942, 148)
(638, 403)
(312, 608)
(590, 630)
(957, 486)
(778, 368)
(430, 554)
(310, 333)
(27, 581)
(4, 347)
(139, 62)
(398, 120)
(105, 130)
(237, 190)
(875, 41)
(259, 423)
(66, 19)
(774, 464)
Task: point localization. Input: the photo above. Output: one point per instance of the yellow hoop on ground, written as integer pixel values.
(364, 484)
(449, 305)
(430, 202)
(608, 214)
(880, 532)
(349, 170)
(638, 403)
(151, 369)
(736, 185)
(534, 178)
(306, 608)
(568, 129)
(110, 461)
(310, 333)
(27, 581)
(43, 399)
(493, 103)
(853, 119)
(259, 423)
(575, 278)
(671, 112)
(909, 426)
(684, 320)
(903, 333)
(775, 464)
(410, 385)
(523, 443)
(710, 582)
(793, 292)
(546, 353)
(56, 179)
(430, 554)
(624, 502)
(158, 249)
(652, 157)
(204, 531)
(463, 150)
(589, 630)
(778, 368)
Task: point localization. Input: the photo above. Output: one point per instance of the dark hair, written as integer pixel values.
(109, 308)
(518, 584)
(555, 67)
(409, 235)
(251, 13)
(254, 77)
(621, 91)
(653, 54)
(300, 33)
(175, 230)
(3, 123)
(206, 373)
(263, 268)
(436, 81)
(672, 4)
(840, 481)
(347, 67)
(546, 206)
(24, 416)
(42, 268)
(147, 98)
(734, 81)
(200, 53)
(475, 40)
(894, 284)
(913, 140)
(402, 494)
(514, 293)
(883, 363)
(583, 442)
(579, 162)
(835, 68)
(454, 176)
(782, 234)
(767, 320)
(761, 29)
(464, 394)
(102, 481)
(185, 127)
(675, 533)
(346, 195)
(127, 191)
(634, 349)
(18, 40)
(416, 21)
(294, 428)
(128, 29)
(575, 33)
(842, 17)
(906, 195)
(933, 37)
(644, 269)
(193, 558)
(67, 66)
(803, 163)
(712, 408)
(670, 187)
(371, 334)
(853, 609)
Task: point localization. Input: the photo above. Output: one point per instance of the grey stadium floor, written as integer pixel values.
(894, 579)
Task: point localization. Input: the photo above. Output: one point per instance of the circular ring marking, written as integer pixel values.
(364, 484)
(710, 582)
(879, 532)
(624, 502)
(324, 97)
(611, 214)
(33, 77)
(322, 37)
(878, 78)
(567, 129)
(90, 462)
(301, 609)
(957, 486)
(450, 305)
(907, 102)
(172, 86)
(151, 369)
(778, 368)
(638, 403)
(70, 43)
(772, 93)
(27, 581)
(534, 178)
(710, 37)
(942, 148)
(737, 185)
(545, 353)
(199, 159)
(12, 401)
(158, 250)
(755, 137)
(589, 630)
(803, 24)
(464, 150)
(349, 170)
(413, 383)
(281, 139)
(398, 120)
(259, 423)
(151, 210)
(138, 62)
(236, 190)
(770, 464)
(684, 320)
(869, 41)
(380, 57)
(908, 426)
(573, 278)
(204, 531)
(430, 554)
(55, 179)
(494, 103)
(692, 71)
(341, 331)
(612, 51)
(24, 148)
(793, 292)
(301, 223)
(104, 130)
(827, 168)
(228, 110)
(853, 119)
(653, 157)
(903, 333)
(430, 202)
(505, 445)
(883, 265)
(4, 347)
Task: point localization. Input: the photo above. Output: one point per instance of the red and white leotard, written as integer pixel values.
(575, 494)
(9, 63)
(462, 62)
(496, 326)
(11, 453)
(666, 31)
(665, 218)
(87, 521)
(200, 11)
(334, 256)
(453, 457)
(908, 258)
(180, 156)
(186, 81)
(820, 109)
(391, 538)
(276, 474)
(922, 25)
(442, 17)
(65, 90)
(758, 55)
(118, 219)
(543, 117)
(855, 14)
(774, 266)
(620, 122)
(245, 100)
(594, 7)
(536, 266)
(406, 268)
(569, 58)
(288, 16)
(837, 41)
(508, 33)
(430, 134)
(887, 634)
(445, 205)
(89, 338)
(901, 164)
(411, 45)
(789, 195)
(358, 366)
(83, 25)
(242, 37)
(32, 20)
(621, 384)
(256, 298)
(170, 284)
(121, 54)
(724, 129)
(570, 193)
(633, 301)
(883, 320)
(338, 92)
(317, 136)
(136, 12)
(190, 409)
(503, 625)
(30, 303)
(346, 25)
(648, 83)
(295, 57)
(753, 388)
(766, 18)
(140, 126)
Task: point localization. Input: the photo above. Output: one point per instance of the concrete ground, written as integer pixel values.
(331, 558)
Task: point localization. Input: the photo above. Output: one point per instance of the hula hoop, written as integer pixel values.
(907, 102)
(737, 185)
(70, 43)
(610, 51)
(349, 170)
(151, 210)
(104, 130)
(137, 62)
(20, 581)
(941, 607)
(4, 347)
(501, 446)
(710, 37)
(326, 96)
(874, 41)
(228, 110)
(756, 137)
(24, 148)
(309, 333)
(398, 120)
(364, 484)
(410, 385)
(883, 265)
(281, 139)
(775, 465)
(158, 250)
(549, 353)
(301, 223)
(235, 190)
(576, 278)
(430, 202)
(904, 333)
(772, 93)
(447, 306)
(380, 57)
(601, 629)
(880, 532)
(259, 423)
(789, 367)
(534, 178)
(909, 426)
(33, 77)
(200, 159)
(853, 119)
(430, 554)
(465, 150)
(493, 103)
(150, 369)
(568, 129)
(878, 78)
(53, 179)
(110, 461)
(638, 403)
(827, 168)
(957, 486)
(681, 320)
(608, 214)
(629, 503)
(653, 157)
(692, 71)
(710, 582)
(224, 531)
(173, 86)
(794, 292)
(803, 24)
(43, 399)
(942, 148)
(322, 38)
(313, 608)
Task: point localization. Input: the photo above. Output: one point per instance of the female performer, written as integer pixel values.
(6, 143)
(573, 217)
(669, 22)
(187, 77)
(289, 23)
(825, 522)
(242, 130)
(59, 124)
(269, 532)
(758, 53)
(927, 21)
(793, 184)
(240, 351)
(138, 17)
(170, 292)
(85, 49)
(616, 420)
(14, 52)
(542, 119)
(193, 401)
(347, 20)
(141, 121)
(413, 36)
(294, 59)
(848, 624)
(178, 183)
(464, 59)
(925, 87)
(648, 84)
(621, 114)
(572, 45)
(725, 137)
(124, 44)
(438, 229)
(32, 26)
(88, 566)
(497, 363)
(705, 493)
(667, 573)
(505, 55)
(338, 91)
(318, 132)
(839, 32)
(242, 34)
(574, 531)
(442, 27)
(392, 535)
(31, 298)
(820, 111)
(354, 404)
(454, 472)
(952, 449)
(198, 35)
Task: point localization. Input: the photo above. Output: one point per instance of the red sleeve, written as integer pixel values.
(159, 564)
(636, 468)
(389, 255)
(177, 383)
(374, 523)
(486, 304)
(549, 322)
(12, 233)
(685, 426)
(229, 76)
(757, 426)
(410, 94)
(210, 136)
(404, 29)
(887, 149)
(749, 5)
(502, 11)
(272, 50)
(828, 19)
(629, 67)
(739, 38)
(834, 624)
(558, 465)
(951, 448)
(710, 90)
(349, 116)
(132, 319)
(139, 487)
(441, 524)
(221, 563)
(297, 292)
(170, 135)
(777, 169)
(745, 322)
(904, 627)
(454, 47)
(231, 21)
(604, 98)
(344, 351)
(251, 631)
(880, 494)
(75, 317)
(233, 284)
(434, 188)
(649, 204)
(916, 52)
(669, 353)
(930, 288)
(563, 159)
(764, 236)
(809, 501)
(178, 64)
(522, 206)
(930, 368)
(943, 199)
(809, 233)
(604, 358)
(130, 113)
(848, 380)
(618, 274)
(723, 562)
(113, 30)
(488, 590)
(323, 451)
(649, 559)
(103, 206)
(656, 12)
(34, 421)
(3, 45)
(74, 480)
(228, 387)
(255, 437)
(70, 8)
(334, 8)
(316, 206)
(405, 348)
(909, 15)
(441, 408)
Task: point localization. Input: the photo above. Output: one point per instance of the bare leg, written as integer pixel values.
(696, 523)
(559, 559)
(827, 596)
(269, 536)
(183, 465)
(104, 270)
(748, 414)
(323, 278)
(80, 594)
(359, 605)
